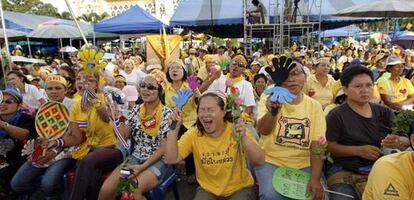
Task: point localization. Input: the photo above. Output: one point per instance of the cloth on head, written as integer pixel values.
(241, 58)
(57, 78)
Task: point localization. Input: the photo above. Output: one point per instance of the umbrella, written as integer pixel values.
(20, 59)
(12, 33)
(37, 61)
(68, 49)
(405, 40)
(55, 32)
(380, 8)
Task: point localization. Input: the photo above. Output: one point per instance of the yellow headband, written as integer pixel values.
(56, 78)
(120, 78)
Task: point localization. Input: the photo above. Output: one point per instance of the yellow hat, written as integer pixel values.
(56, 78)
(120, 78)
(210, 58)
(241, 58)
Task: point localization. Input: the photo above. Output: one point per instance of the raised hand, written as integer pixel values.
(280, 95)
(182, 98)
(282, 67)
(192, 82)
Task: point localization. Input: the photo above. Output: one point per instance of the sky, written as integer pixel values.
(59, 4)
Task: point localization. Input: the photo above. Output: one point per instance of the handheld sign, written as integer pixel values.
(52, 120)
(291, 183)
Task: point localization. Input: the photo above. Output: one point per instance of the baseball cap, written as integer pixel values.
(14, 93)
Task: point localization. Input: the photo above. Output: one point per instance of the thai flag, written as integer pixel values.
(83, 124)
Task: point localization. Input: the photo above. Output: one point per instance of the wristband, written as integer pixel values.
(55, 150)
(60, 142)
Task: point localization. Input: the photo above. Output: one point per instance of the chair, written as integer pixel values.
(158, 193)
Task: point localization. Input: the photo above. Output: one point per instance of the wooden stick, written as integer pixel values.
(338, 193)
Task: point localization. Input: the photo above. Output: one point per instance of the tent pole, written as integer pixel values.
(70, 42)
(6, 39)
(61, 46)
(30, 49)
(77, 23)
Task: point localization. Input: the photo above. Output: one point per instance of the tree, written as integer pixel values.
(35, 7)
(93, 17)
(66, 15)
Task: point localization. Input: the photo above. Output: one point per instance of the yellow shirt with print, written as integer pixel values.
(218, 164)
(98, 133)
(397, 91)
(189, 109)
(323, 94)
(296, 127)
(77, 96)
(398, 181)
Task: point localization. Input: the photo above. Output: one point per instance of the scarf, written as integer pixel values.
(151, 123)
(13, 121)
(234, 80)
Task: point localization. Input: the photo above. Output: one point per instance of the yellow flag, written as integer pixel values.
(409, 26)
(167, 50)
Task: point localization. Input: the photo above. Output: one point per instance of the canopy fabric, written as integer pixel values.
(347, 31)
(12, 33)
(380, 8)
(405, 40)
(134, 20)
(55, 31)
(224, 17)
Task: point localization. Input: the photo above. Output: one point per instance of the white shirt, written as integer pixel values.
(31, 96)
(134, 77)
(245, 88)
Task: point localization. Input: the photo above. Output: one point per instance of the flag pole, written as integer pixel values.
(6, 39)
(77, 23)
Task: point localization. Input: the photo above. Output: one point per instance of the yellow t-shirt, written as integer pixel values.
(323, 94)
(189, 109)
(397, 91)
(398, 181)
(98, 133)
(77, 96)
(296, 127)
(218, 164)
(197, 63)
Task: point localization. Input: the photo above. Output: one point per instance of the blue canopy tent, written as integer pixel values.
(225, 18)
(134, 20)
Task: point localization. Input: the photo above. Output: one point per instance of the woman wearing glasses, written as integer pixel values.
(51, 167)
(15, 127)
(94, 138)
(147, 127)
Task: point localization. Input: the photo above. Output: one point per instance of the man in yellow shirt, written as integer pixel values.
(398, 180)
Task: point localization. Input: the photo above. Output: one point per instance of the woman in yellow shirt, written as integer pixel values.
(94, 138)
(221, 168)
(176, 77)
(396, 91)
(319, 85)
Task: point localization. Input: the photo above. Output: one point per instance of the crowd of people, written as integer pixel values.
(177, 111)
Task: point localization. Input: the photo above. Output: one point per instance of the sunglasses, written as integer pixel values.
(9, 101)
(148, 86)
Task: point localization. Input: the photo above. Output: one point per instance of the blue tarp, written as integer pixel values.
(134, 20)
(226, 16)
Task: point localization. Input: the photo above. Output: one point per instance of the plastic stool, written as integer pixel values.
(158, 193)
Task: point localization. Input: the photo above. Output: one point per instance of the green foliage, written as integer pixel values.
(93, 17)
(35, 7)
(403, 122)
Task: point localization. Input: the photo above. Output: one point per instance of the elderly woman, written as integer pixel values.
(284, 147)
(147, 127)
(222, 170)
(319, 85)
(15, 127)
(132, 75)
(49, 172)
(94, 138)
(396, 91)
(31, 95)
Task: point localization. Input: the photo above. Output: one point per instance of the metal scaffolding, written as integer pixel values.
(280, 29)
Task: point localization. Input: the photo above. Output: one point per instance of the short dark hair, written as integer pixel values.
(259, 76)
(169, 77)
(349, 73)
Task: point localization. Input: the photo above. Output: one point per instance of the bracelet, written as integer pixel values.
(55, 151)
(60, 142)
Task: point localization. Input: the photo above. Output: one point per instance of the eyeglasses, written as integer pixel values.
(148, 86)
(237, 64)
(9, 101)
